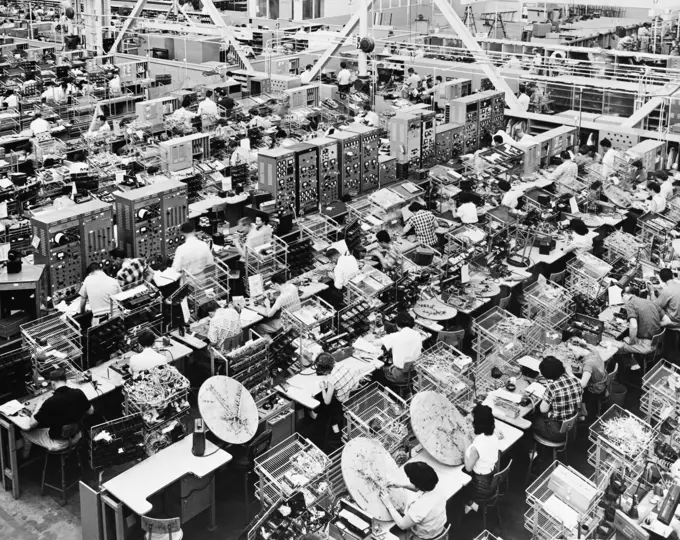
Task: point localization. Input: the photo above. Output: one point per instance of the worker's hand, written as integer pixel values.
(385, 498)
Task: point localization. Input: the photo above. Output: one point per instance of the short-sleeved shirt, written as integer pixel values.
(344, 380)
(564, 397)
(593, 364)
(65, 406)
(647, 314)
(425, 226)
(147, 360)
(98, 288)
(428, 512)
(669, 300)
(406, 346)
(132, 272)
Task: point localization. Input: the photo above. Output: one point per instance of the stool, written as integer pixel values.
(63, 458)
(556, 446)
(162, 529)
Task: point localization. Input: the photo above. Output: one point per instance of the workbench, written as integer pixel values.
(134, 487)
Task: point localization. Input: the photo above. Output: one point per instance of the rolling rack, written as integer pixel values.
(378, 413)
(368, 283)
(585, 275)
(321, 229)
(139, 307)
(266, 263)
(463, 244)
(656, 231)
(442, 369)
(117, 442)
(549, 304)
(161, 397)
(57, 334)
(314, 320)
(562, 504)
(659, 399)
(606, 454)
(295, 465)
(621, 245)
(248, 365)
(504, 159)
(502, 338)
(207, 286)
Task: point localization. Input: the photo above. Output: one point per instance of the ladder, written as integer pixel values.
(495, 23)
(469, 20)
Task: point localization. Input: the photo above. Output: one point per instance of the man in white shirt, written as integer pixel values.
(114, 84)
(11, 99)
(194, 256)
(344, 78)
(524, 100)
(148, 358)
(98, 288)
(344, 269)
(101, 126)
(566, 171)
(658, 202)
(406, 346)
(50, 92)
(370, 118)
(39, 124)
(413, 80)
(608, 158)
(522, 138)
(306, 75)
(207, 107)
(666, 184)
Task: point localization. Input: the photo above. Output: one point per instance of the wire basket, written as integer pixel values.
(501, 332)
(585, 275)
(621, 451)
(57, 335)
(621, 245)
(659, 397)
(571, 186)
(486, 535)
(289, 467)
(377, 413)
(322, 229)
(314, 314)
(441, 369)
(576, 496)
(159, 394)
(369, 283)
(549, 304)
(117, 442)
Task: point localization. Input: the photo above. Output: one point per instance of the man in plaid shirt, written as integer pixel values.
(561, 400)
(424, 224)
(132, 271)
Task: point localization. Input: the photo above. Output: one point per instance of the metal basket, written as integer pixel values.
(58, 335)
(369, 283)
(439, 370)
(281, 469)
(544, 524)
(549, 304)
(377, 413)
(322, 229)
(659, 399)
(585, 275)
(313, 314)
(124, 444)
(621, 245)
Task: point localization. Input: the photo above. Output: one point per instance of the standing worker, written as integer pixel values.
(344, 79)
(98, 288)
(132, 271)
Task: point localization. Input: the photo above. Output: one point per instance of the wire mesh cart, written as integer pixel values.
(295, 464)
(441, 369)
(585, 275)
(660, 398)
(621, 245)
(56, 336)
(620, 440)
(562, 504)
(117, 442)
(549, 304)
(378, 413)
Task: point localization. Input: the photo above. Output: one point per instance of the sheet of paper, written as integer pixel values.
(529, 362)
(465, 273)
(256, 286)
(5, 183)
(573, 205)
(615, 297)
(537, 389)
(4, 250)
(3, 209)
(11, 407)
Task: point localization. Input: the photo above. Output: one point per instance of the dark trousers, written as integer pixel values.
(548, 428)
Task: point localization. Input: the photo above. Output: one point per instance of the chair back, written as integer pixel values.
(445, 534)
(454, 338)
(157, 527)
(658, 339)
(503, 303)
(568, 424)
(259, 445)
(558, 277)
(230, 343)
(610, 381)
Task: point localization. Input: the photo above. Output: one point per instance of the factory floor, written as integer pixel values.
(34, 517)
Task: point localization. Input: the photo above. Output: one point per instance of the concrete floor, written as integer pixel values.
(42, 518)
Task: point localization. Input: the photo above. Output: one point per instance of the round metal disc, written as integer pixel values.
(228, 409)
(440, 428)
(367, 468)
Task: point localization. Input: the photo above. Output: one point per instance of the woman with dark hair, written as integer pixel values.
(561, 399)
(425, 510)
(423, 223)
(387, 254)
(481, 457)
(467, 211)
(582, 240)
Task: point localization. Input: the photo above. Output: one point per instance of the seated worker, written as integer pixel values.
(183, 115)
(58, 417)
(256, 234)
(370, 118)
(406, 345)
(132, 271)
(289, 298)
(666, 188)
(483, 454)
(425, 510)
(387, 254)
(565, 171)
(467, 211)
(259, 121)
(668, 299)
(593, 381)
(345, 267)
(148, 358)
(561, 400)
(510, 196)
(658, 202)
(423, 223)
(194, 255)
(582, 241)
(98, 288)
(644, 322)
(101, 125)
(485, 142)
(225, 323)
(342, 379)
(39, 124)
